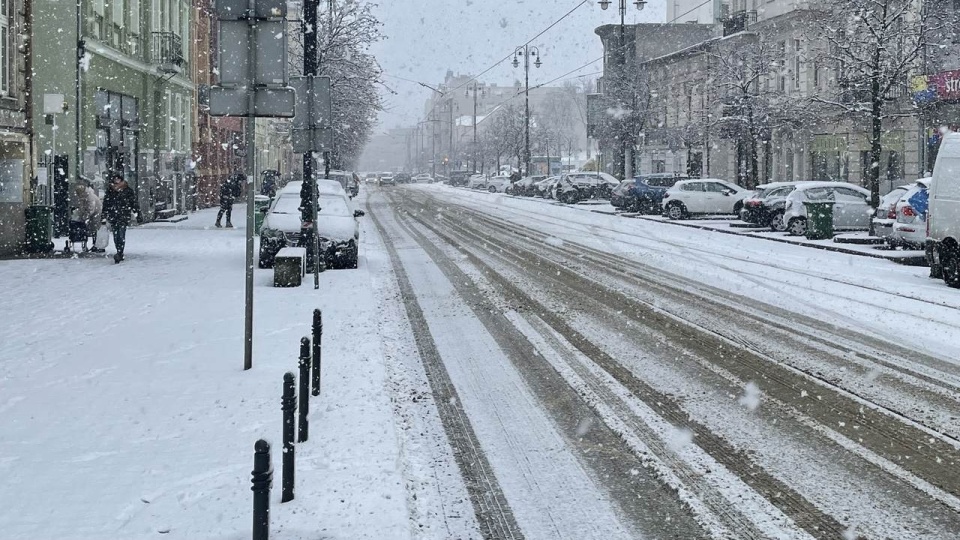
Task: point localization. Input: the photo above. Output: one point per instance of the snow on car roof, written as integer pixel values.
(807, 185)
(326, 186)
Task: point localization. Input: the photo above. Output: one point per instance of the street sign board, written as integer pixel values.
(311, 140)
(315, 104)
(270, 47)
(268, 102)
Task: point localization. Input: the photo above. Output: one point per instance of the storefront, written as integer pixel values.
(829, 158)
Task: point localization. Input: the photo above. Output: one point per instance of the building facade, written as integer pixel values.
(127, 101)
(701, 119)
(15, 164)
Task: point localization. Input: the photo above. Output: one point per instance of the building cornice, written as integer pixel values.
(114, 55)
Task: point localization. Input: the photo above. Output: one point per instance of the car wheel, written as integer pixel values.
(737, 208)
(676, 211)
(493, 189)
(776, 222)
(950, 265)
(797, 226)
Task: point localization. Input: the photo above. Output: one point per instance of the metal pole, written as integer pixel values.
(81, 52)
(303, 423)
(288, 403)
(526, 92)
(310, 64)
(251, 134)
(433, 145)
(317, 337)
(623, 69)
(262, 480)
(474, 127)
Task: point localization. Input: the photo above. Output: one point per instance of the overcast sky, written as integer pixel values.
(425, 38)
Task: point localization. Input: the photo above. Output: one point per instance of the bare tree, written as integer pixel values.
(873, 45)
(346, 32)
(751, 108)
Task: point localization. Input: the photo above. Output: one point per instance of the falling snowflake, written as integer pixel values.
(751, 396)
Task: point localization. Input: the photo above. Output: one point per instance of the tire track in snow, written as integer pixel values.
(490, 505)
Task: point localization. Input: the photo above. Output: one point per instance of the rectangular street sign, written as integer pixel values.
(315, 106)
(311, 140)
(270, 48)
(268, 102)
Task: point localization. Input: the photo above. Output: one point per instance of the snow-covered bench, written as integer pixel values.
(289, 267)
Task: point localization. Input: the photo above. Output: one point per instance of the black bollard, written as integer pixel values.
(317, 336)
(262, 478)
(289, 406)
(303, 432)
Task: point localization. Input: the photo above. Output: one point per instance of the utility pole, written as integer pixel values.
(526, 51)
(308, 26)
(622, 58)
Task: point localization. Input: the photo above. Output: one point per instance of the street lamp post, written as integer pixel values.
(475, 91)
(526, 51)
(622, 57)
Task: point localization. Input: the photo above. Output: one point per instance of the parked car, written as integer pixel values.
(525, 186)
(475, 181)
(337, 226)
(644, 193)
(423, 178)
(703, 196)
(851, 209)
(459, 178)
(544, 188)
(403, 178)
(752, 210)
(588, 185)
(910, 228)
(349, 181)
(943, 216)
(886, 214)
(496, 184)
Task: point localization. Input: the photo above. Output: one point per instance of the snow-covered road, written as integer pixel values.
(812, 393)
(496, 368)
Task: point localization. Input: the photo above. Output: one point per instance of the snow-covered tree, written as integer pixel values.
(345, 35)
(874, 46)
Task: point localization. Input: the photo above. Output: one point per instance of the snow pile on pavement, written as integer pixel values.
(125, 411)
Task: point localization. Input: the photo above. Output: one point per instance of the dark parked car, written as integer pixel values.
(459, 178)
(772, 206)
(525, 186)
(754, 211)
(644, 193)
(403, 178)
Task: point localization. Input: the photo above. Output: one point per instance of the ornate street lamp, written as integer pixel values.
(526, 52)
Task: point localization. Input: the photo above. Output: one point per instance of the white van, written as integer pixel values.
(943, 217)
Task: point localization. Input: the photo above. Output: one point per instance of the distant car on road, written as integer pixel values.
(459, 178)
(423, 178)
(387, 179)
(703, 196)
(403, 178)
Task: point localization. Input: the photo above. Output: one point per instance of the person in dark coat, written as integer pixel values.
(229, 191)
(118, 205)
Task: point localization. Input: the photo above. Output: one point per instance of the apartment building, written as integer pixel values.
(15, 163)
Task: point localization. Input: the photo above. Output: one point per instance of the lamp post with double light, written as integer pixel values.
(622, 57)
(526, 52)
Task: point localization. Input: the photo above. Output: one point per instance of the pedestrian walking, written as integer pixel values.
(118, 205)
(229, 191)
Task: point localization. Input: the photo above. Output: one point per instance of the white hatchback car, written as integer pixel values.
(496, 184)
(703, 196)
(851, 208)
(910, 229)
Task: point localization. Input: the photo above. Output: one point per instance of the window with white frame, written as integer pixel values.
(4, 48)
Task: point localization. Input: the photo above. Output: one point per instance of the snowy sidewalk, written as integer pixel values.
(125, 412)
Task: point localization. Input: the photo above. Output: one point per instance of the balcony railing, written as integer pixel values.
(167, 52)
(738, 22)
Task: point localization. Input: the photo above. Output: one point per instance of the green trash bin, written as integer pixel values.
(819, 219)
(39, 229)
(260, 205)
